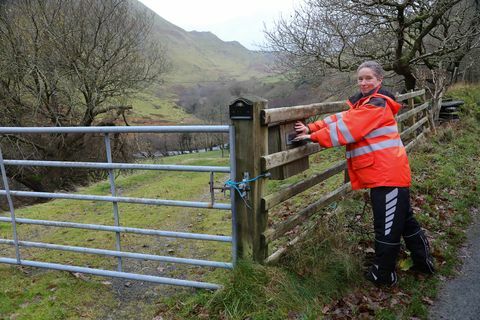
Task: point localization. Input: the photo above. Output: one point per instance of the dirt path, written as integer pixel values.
(459, 298)
(127, 293)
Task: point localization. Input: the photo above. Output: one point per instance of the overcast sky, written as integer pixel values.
(240, 20)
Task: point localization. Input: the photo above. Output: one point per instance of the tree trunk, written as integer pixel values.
(407, 73)
(410, 81)
(30, 180)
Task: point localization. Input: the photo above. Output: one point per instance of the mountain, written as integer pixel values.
(196, 58)
(202, 56)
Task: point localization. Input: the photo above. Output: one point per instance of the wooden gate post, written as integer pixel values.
(251, 143)
(413, 119)
(428, 113)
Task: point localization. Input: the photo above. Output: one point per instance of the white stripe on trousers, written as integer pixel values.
(390, 207)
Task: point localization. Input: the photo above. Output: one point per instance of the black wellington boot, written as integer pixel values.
(382, 272)
(381, 277)
(420, 252)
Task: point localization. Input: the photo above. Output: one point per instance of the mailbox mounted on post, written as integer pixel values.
(280, 139)
(241, 109)
(280, 136)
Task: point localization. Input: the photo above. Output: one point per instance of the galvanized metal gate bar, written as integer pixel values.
(89, 197)
(133, 255)
(151, 232)
(117, 165)
(125, 129)
(117, 229)
(114, 274)
(10, 206)
(111, 178)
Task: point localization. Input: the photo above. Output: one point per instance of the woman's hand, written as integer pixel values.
(301, 128)
(302, 137)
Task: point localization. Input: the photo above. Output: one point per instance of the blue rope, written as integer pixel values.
(235, 184)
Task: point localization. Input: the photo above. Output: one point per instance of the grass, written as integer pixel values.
(318, 277)
(148, 108)
(48, 296)
(96, 294)
(258, 292)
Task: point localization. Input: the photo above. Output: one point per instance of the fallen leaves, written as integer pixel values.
(427, 300)
(405, 264)
(369, 250)
(80, 276)
(325, 309)
(364, 303)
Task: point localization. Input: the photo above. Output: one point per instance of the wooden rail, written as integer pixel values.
(273, 258)
(281, 158)
(411, 129)
(287, 192)
(412, 112)
(409, 95)
(412, 143)
(285, 114)
(295, 220)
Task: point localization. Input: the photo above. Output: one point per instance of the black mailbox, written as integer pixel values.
(241, 109)
(280, 139)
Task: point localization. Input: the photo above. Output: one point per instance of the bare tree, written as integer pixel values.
(469, 68)
(331, 34)
(214, 112)
(71, 63)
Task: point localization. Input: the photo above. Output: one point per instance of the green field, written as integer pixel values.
(30, 293)
(150, 109)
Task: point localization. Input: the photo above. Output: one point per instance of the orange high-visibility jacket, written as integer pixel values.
(375, 153)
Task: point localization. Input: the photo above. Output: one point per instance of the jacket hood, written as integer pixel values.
(392, 104)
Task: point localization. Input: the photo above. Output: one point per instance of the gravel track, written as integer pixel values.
(459, 298)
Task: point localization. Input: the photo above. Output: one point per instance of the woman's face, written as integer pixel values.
(367, 80)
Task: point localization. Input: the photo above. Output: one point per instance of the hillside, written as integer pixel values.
(202, 56)
(195, 57)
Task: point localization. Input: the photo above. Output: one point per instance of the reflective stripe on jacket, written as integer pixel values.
(375, 153)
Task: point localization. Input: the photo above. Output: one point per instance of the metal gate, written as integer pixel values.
(114, 199)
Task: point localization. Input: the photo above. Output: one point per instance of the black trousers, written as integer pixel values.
(393, 219)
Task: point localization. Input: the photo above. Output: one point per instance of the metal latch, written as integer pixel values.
(213, 188)
(244, 186)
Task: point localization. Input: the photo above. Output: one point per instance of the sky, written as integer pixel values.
(240, 20)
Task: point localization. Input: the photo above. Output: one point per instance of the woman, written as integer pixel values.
(376, 159)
